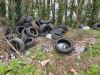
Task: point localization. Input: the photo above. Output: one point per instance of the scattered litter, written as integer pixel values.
(45, 62)
(51, 73)
(47, 47)
(80, 47)
(86, 28)
(74, 71)
(12, 56)
(90, 40)
(62, 45)
(27, 53)
(49, 36)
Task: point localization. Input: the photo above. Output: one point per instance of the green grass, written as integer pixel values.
(92, 70)
(19, 67)
(95, 33)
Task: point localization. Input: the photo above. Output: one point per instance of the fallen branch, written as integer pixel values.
(18, 53)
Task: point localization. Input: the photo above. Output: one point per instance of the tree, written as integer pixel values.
(18, 9)
(2, 8)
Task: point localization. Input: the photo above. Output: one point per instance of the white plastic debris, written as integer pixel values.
(49, 36)
(1, 56)
(62, 45)
(1, 60)
(47, 48)
(80, 47)
(12, 56)
(74, 71)
(27, 53)
(86, 28)
(45, 62)
(50, 73)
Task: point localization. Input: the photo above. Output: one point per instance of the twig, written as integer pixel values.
(18, 53)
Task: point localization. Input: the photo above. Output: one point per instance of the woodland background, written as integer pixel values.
(70, 12)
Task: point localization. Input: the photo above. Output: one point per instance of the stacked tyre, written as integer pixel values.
(26, 34)
(43, 26)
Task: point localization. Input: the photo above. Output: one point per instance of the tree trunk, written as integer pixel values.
(18, 8)
(2, 8)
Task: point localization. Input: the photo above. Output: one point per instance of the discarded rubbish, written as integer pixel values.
(80, 46)
(45, 62)
(64, 45)
(97, 26)
(86, 28)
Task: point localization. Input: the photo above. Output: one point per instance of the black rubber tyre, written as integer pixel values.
(44, 29)
(28, 19)
(58, 31)
(45, 21)
(21, 21)
(56, 36)
(18, 44)
(30, 42)
(24, 35)
(63, 27)
(30, 31)
(67, 46)
(19, 29)
(51, 25)
(27, 25)
(97, 26)
(38, 22)
(35, 26)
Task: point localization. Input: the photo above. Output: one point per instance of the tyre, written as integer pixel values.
(63, 27)
(30, 42)
(30, 31)
(51, 25)
(38, 22)
(28, 19)
(18, 44)
(21, 21)
(35, 26)
(27, 25)
(19, 29)
(64, 46)
(97, 26)
(44, 29)
(56, 36)
(24, 35)
(58, 31)
(45, 21)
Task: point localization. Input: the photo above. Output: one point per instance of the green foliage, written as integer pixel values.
(2, 8)
(18, 9)
(3, 69)
(38, 54)
(93, 51)
(94, 33)
(93, 70)
(18, 67)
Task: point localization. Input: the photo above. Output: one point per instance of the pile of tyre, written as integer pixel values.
(28, 30)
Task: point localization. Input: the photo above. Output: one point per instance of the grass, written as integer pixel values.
(95, 33)
(59, 65)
